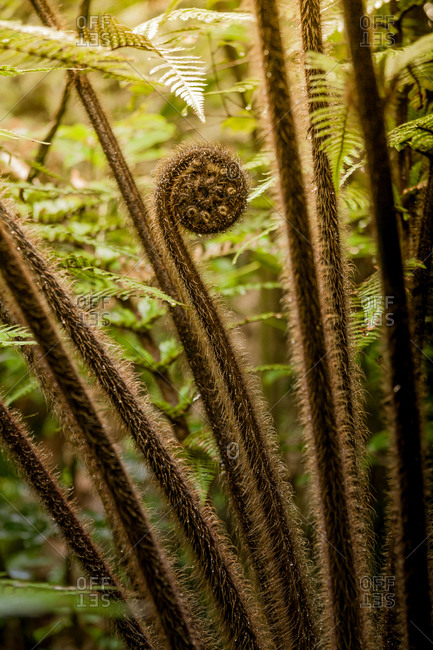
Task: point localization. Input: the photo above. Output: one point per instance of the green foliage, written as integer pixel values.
(417, 134)
(335, 118)
(32, 43)
(14, 335)
(202, 57)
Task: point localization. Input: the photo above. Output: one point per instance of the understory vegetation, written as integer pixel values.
(216, 357)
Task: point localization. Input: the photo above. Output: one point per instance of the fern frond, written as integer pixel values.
(43, 43)
(13, 135)
(23, 388)
(11, 335)
(150, 27)
(370, 311)
(262, 187)
(417, 134)
(121, 286)
(184, 74)
(398, 63)
(335, 119)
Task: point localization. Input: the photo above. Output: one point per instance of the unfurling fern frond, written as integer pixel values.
(335, 118)
(417, 134)
(184, 73)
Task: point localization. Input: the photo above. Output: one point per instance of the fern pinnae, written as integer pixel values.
(184, 74)
(215, 563)
(204, 189)
(157, 574)
(345, 620)
(17, 442)
(407, 472)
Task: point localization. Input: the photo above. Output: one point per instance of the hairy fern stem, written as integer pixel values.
(157, 574)
(29, 460)
(334, 282)
(421, 275)
(216, 564)
(333, 270)
(38, 366)
(345, 623)
(204, 189)
(408, 479)
(284, 538)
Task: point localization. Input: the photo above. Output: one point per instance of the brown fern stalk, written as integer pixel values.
(199, 526)
(283, 538)
(333, 269)
(421, 275)
(408, 480)
(39, 368)
(333, 279)
(204, 189)
(345, 620)
(157, 574)
(17, 442)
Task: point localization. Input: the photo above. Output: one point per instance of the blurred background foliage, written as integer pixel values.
(73, 205)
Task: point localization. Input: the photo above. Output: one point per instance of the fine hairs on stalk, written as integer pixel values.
(30, 461)
(345, 621)
(204, 189)
(38, 367)
(421, 274)
(410, 531)
(334, 289)
(170, 606)
(215, 562)
(251, 502)
(332, 268)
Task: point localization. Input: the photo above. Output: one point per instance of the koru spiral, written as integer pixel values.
(202, 187)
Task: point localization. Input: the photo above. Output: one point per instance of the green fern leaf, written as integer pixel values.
(150, 27)
(12, 335)
(36, 43)
(334, 117)
(183, 73)
(417, 134)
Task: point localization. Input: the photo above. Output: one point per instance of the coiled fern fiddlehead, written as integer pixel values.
(204, 189)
